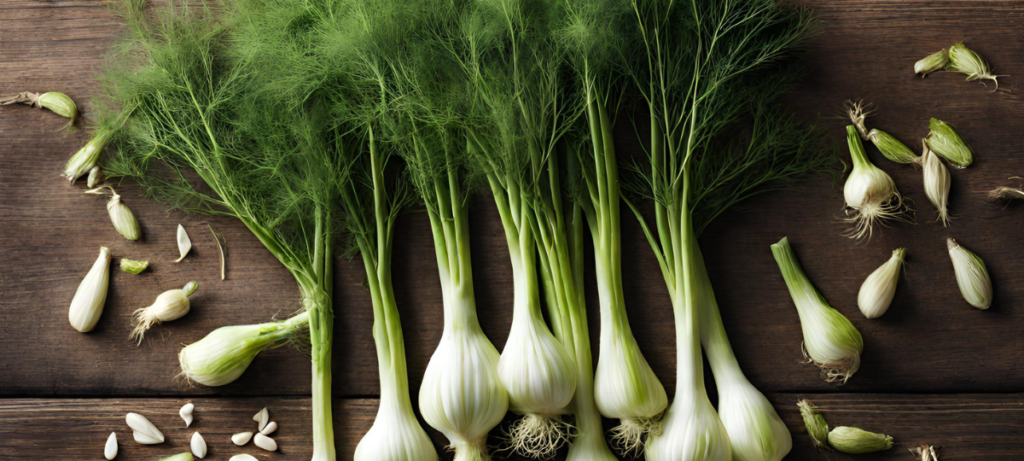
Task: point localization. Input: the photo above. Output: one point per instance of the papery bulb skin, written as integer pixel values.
(879, 288)
(690, 431)
(626, 388)
(755, 430)
(461, 395)
(540, 379)
(396, 435)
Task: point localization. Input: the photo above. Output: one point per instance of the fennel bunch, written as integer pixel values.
(710, 74)
(188, 99)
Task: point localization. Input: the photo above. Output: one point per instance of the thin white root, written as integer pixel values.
(538, 436)
(836, 372)
(630, 437)
(143, 321)
(925, 453)
(864, 218)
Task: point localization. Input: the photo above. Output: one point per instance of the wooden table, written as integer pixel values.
(934, 370)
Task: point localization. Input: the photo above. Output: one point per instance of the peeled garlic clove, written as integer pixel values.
(241, 438)
(87, 305)
(271, 427)
(179, 457)
(243, 457)
(186, 414)
(198, 445)
(265, 442)
(145, 432)
(145, 439)
(184, 243)
(971, 275)
(110, 450)
(170, 305)
(262, 418)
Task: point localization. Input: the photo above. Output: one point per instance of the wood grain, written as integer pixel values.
(930, 342)
(62, 429)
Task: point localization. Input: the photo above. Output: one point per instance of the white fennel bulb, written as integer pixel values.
(830, 341)
(223, 355)
(971, 275)
(878, 289)
(87, 305)
(690, 431)
(462, 395)
(540, 379)
(869, 192)
(396, 435)
(536, 370)
(169, 305)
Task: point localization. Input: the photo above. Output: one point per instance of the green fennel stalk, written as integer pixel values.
(195, 106)
(708, 74)
(625, 385)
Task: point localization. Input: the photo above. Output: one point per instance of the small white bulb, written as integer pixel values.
(271, 427)
(878, 289)
(170, 305)
(971, 275)
(198, 445)
(87, 305)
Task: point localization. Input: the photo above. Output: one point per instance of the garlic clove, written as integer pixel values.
(271, 427)
(262, 418)
(186, 413)
(145, 439)
(198, 445)
(145, 431)
(241, 438)
(110, 450)
(265, 442)
(243, 457)
(184, 243)
(186, 456)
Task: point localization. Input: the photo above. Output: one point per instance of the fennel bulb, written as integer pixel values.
(169, 305)
(937, 183)
(855, 440)
(87, 305)
(944, 140)
(225, 353)
(971, 275)
(878, 289)
(869, 191)
(701, 163)
(830, 341)
(931, 63)
(966, 61)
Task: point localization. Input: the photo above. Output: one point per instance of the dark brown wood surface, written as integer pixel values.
(934, 370)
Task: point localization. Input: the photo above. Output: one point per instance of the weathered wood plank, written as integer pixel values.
(929, 342)
(968, 427)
